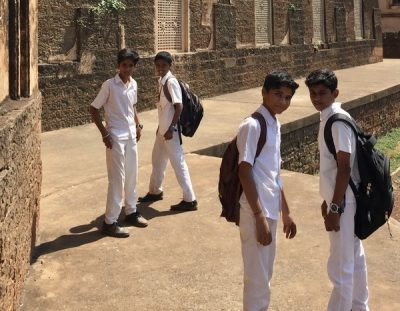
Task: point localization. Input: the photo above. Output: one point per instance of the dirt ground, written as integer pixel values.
(396, 186)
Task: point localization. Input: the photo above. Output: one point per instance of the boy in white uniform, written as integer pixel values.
(118, 96)
(167, 144)
(263, 198)
(347, 268)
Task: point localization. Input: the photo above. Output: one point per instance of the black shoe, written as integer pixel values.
(137, 220)
(114, 230)
(149, 197)
(184, 206)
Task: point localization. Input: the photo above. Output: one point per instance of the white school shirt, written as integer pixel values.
(267, 167)
(119, 100)
(344, 140)
(165, 108)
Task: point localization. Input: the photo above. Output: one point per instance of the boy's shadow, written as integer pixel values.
(83, 234)
(149, 213)
(80, 236)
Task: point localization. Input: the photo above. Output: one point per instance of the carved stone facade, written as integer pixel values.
(20, 163)
(220, 52)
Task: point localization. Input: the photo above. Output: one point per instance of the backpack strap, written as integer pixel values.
(329, 139)
(169, 98)
(263, 136)
(166, 91)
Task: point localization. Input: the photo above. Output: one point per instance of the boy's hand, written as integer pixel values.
(168, 134)
(324, 209)
(332, 222)
(107, 140)
(289, 227)
(138, 133)
(264, 236)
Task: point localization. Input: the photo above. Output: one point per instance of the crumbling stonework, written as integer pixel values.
(20, 182)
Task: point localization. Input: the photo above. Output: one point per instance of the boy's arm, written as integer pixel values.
(332, 220)
(249, 188)
(138, 125)
(94, 112)
(176, 97)
(344, 140)
(289, 226)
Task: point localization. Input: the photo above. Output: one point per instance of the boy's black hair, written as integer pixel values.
(165, 56)
(325, 77)
(127, 54)
(278, 79)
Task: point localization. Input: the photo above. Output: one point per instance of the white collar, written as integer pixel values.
(118, 79)
(267, 115)
(167, 76)
(328, 111)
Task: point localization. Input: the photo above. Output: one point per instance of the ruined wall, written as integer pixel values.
(20, 181)
(222, 57)
(20, 163)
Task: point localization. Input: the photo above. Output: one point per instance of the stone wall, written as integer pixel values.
(20, 183)
(77, 49)
(378, 114)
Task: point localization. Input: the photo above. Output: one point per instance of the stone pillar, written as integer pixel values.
(224, 25)
(296, 26)
(340, 24)
(377, 30)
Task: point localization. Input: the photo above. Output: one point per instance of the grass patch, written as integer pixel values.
(390, 146)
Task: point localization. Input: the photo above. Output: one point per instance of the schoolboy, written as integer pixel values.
(347, 268)
(263, 198)
(118, 96)
(167, 144)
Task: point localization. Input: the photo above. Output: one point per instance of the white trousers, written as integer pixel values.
(347, 267)
(258, 261)
(172, 150)
(122, 168)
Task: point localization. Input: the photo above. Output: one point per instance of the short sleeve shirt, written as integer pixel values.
(267, 166)
(344, 140)
(166, 108)
(119, 101)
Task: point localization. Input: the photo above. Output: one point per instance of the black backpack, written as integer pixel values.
(374, 195)
(229, 187)
(192, 111)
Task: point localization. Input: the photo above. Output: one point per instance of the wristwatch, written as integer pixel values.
(335, 208)
(173, 127)
(139, 126)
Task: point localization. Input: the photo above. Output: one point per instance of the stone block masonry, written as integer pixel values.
(67, 94)
(20, 183)
(77, 49)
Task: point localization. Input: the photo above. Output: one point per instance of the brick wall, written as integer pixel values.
(77, 50)
(20, 182)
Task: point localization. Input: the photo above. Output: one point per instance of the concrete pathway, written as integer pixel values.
(188, 261)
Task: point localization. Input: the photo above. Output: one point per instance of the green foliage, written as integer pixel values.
(292, 7)
(109, 6)
(390, 146)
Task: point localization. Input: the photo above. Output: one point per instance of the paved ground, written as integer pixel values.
(188, 261)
